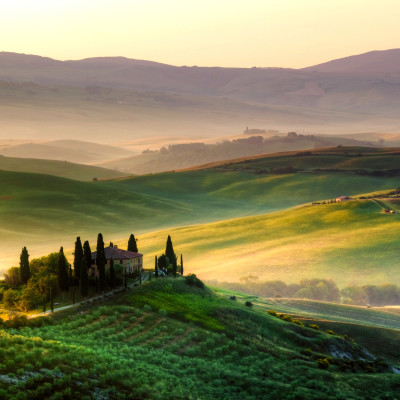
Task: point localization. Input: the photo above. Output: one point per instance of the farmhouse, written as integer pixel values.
(343, 198)
(130, 260)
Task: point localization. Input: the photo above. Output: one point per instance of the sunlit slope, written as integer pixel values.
(57, 168)
(350, 242)
(44, 212)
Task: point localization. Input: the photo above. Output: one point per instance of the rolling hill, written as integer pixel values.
(61, 169)
(195, 101)
(75, 151)
(180, 156)
(57, 210)
(220, 348)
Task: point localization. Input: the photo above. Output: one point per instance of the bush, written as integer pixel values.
(313, 326)
(273, 313)
(248, 304)
(192, 280)
(323, 363)
(232, 297)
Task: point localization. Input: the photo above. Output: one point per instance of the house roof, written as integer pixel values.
(117, 254)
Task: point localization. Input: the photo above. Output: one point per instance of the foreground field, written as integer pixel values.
(169, 340)
(44, 212)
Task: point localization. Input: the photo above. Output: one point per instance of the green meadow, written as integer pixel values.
(186, 342)
(352, 242)
(62, 169)
(44, 212)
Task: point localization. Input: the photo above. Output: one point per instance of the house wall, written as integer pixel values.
(131, 265)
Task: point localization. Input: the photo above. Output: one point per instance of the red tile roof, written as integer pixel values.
(117, 254)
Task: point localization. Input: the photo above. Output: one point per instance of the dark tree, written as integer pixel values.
(169, 251)
(111, 244)
(156, 268)
(181, 265)
(24, 266)
(101, 266)
(51, 300)
(87, 252)
(84, 278)
(132, 245)
(62, 272)
(112, 274)
(163, 261)
(78, 253)
(101, 262)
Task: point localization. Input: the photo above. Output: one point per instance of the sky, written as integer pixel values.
(226, 33)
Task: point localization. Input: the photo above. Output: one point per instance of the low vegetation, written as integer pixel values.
(227, 351)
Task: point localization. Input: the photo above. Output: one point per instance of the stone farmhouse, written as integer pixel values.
(130, 260)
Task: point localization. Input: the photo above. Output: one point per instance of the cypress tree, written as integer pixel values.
(51, 300)
(132, 245)
(112, 274)
(156, 268)
(88, 254)
(84, 278)
(181, 265)
(101, 262)
(24, 266)
(78, 253)
(62, 272)
(169, 251)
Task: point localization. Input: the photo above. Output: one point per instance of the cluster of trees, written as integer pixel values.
(38, 281)
(376, 295)
(167, 262)
(315, 289)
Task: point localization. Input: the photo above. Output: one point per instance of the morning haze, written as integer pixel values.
(199, 199)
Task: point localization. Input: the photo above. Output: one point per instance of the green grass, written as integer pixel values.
(350, 242)
(62, 169)
(251, 355)
(44, 212)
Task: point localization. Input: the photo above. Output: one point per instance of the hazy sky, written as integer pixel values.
(242, 33)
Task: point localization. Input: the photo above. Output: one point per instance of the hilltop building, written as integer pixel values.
(130, 260)
(343, 198)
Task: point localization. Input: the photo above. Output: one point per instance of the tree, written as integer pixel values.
(156, 268)
(163, 261)
(13, 277)
(169, 251)
(87, 253)
(112, 274)
(132, 245)
(24, 266)
(84, 278)
(101, 262)
(181, 265)
(62, 272)
(78, 253)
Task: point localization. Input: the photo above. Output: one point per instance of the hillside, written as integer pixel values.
(385, 62)
(180, 156)
(217, 347)
(60, 209)
(352, 242)
(76, 151)
(61, 169)
(194, 101)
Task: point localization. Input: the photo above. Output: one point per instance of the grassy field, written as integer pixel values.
(44, 212)
(215, 348)
(62, 169)
(352, 242)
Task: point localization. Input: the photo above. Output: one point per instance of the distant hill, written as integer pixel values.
(355, 94)
(76, 151)
(385, 62)
(181, 156)
(79, 172)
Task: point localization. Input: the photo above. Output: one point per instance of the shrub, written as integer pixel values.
(313, 326)
(192, 280)
(323, 363)
(330, 332)
(272, 312)
(232, 297)
(146, 308)
(248, 304)
(298, 322)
